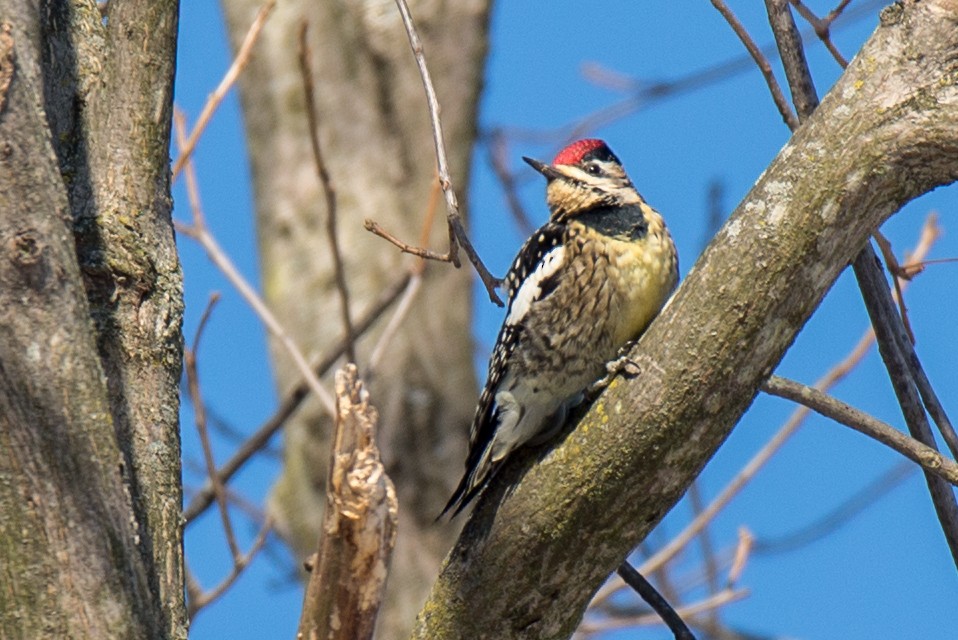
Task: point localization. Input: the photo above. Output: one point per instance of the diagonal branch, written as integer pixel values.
(927, 457)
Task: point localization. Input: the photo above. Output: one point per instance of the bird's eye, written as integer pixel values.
(593, 169)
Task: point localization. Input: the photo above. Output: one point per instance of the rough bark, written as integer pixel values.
(885, 134)
(376, 140)
(90, 316)
(348, 577)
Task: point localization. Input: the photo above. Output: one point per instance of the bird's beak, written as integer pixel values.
(550, 172)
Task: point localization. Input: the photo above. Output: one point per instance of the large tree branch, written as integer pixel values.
(885, 134)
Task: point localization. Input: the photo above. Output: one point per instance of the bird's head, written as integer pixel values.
(583, 176)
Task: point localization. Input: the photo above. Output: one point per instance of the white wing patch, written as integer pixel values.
(531, 288)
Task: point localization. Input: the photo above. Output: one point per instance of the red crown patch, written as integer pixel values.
(573, 153)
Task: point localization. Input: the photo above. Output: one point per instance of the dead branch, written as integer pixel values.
(359, 525)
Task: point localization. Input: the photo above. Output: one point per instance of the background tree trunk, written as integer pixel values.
(378, 147)
(90, 313)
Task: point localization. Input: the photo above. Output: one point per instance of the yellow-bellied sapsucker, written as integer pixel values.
(583, 286)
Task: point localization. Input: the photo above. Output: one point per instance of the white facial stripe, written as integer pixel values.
(531, 288)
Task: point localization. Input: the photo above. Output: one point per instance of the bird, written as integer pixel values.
(582, 288)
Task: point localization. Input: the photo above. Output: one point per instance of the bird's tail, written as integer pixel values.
(477, 475)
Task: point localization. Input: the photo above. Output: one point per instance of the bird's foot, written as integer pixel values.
(622, 365)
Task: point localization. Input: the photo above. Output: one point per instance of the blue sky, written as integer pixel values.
(887, 573)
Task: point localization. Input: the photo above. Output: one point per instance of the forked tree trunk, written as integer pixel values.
(90, 312)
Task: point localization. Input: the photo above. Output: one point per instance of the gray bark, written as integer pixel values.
(885, 134)
(377, 144)
(90, 312)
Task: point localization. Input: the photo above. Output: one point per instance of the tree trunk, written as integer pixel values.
(376, 140)
(885, 134)
(90, 313)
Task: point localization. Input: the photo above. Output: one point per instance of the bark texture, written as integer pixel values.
(90, 313)
(376, 140)
(885, 134)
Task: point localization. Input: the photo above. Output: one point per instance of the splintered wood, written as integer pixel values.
(359, 526)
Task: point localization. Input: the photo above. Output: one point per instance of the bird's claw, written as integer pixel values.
(622, 365)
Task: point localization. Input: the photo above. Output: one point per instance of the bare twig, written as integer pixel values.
(835, 518)
(655, 600)
(499, 161)
(426, 254)
(928, 236)
(897, 273)
(777, 96)
(199, 416)
(792, 53)
(312, 118)
(199, 599)
(199, 232)
(742, 552)
(706, 547)
(928, 458)
(822, 27)
(686, 611)
(457, 232)
(359, 526)
(894, 347)
(412, 288)
(239, 63)
(291, 402)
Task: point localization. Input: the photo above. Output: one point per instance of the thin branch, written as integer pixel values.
(392, 327)
(835, 518)
(896, 350)
(686, 611)
(706, 547)
(792, 53)
(822, 26)
(655, 600)
(199, 599)
(312, 117)
(412, 288)
(239, 63)
(199, 232)
(425, 254)
(929, 235)
(457, 232)
(291, 402)
(777, 96)
(897, 273)
(499, 161)
(199, 417)
(893, 346)
(926, 457)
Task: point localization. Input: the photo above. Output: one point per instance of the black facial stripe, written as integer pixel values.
(603, 154)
